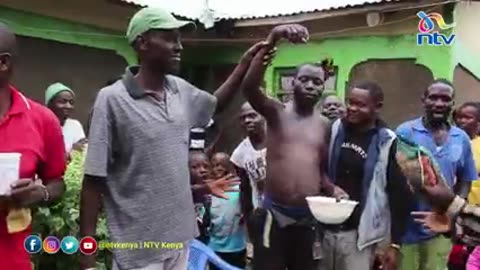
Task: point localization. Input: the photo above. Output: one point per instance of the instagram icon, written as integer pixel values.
(51, 245)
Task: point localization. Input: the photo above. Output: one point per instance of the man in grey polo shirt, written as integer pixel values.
(138, 148)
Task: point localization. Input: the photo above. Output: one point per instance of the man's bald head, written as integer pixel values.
(8, 42)
(7, 51)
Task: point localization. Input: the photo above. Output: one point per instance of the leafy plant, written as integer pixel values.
(62, 219)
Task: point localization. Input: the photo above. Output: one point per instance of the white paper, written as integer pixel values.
(9, 171)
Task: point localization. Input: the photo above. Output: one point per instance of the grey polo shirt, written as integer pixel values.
(140, 146)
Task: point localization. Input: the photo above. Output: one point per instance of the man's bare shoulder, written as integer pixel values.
(324, 121)
(278, 105)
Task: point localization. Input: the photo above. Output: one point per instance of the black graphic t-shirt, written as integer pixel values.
(350, 169)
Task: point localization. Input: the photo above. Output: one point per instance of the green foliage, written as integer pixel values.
(62, 219)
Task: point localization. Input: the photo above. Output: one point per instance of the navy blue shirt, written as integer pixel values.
(454, 158)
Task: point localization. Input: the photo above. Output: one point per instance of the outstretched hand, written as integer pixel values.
(261, 51)
(252, 51)
(219, 187)
(432, 221)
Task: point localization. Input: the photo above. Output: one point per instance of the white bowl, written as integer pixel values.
(328, 211)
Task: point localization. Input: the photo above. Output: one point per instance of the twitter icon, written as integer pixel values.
(69, 245)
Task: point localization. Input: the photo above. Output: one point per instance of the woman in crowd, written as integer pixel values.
(60, 99)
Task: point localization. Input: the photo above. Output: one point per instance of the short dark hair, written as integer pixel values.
(225, 155)
(375, 91)
(475, 105)
(442, 81)
(326, 64)
(193, 152)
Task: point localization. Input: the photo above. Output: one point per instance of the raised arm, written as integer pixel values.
(399, 195)
(400, 202)
(99, 156)
(251, 83)
(229, 88)
(251, 87)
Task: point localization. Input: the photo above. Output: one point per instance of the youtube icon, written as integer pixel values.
(88, 245)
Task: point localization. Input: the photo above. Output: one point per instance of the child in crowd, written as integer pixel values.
(467, 117)
(199, 172)
(227, 229)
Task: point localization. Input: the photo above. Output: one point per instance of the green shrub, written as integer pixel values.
(63, 219)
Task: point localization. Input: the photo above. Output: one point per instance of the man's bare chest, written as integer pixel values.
(309, 132)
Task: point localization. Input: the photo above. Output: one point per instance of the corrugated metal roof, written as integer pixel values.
(191, 9)
(248, 9)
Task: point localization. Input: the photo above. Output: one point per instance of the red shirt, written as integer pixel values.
(34, 131)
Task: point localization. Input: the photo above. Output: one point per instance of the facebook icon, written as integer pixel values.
(33, 244)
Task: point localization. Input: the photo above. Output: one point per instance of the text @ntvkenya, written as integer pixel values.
(139, 245)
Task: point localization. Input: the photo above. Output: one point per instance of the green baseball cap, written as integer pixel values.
(153, 18)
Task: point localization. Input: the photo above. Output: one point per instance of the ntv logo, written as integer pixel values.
(426, 27)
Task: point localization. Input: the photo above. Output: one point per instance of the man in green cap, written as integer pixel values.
(60, 99)
(138, 148)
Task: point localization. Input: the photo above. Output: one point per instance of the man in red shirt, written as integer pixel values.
(31, 130)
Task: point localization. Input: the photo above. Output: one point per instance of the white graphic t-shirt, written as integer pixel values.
(254, 163)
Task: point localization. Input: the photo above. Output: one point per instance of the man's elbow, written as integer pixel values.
(92, 185)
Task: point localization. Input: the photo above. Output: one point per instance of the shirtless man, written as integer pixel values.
(297, 146)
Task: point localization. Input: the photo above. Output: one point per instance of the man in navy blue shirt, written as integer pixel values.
(450, 147)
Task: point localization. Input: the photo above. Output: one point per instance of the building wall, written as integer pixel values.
(101, 13)
(28, 24)
(467, 86)
(346, 53)
(402, 96)
(466, 30)
(466, 52)
(85, 70)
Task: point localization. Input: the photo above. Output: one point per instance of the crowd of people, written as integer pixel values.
(145, 142)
